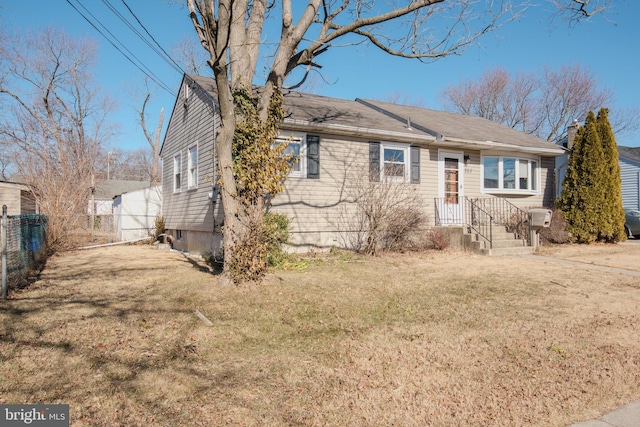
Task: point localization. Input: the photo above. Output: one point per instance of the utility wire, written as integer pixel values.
(160, 52)
(177, 66)
(148, 72)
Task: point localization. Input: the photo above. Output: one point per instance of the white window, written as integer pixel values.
(177, 172)
(192, 166)
(394, 162)
(297, 146)
(509, 174)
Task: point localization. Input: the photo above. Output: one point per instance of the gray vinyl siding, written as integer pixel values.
(322, 211)
(190, 209)
(317, 208)
(630, 174)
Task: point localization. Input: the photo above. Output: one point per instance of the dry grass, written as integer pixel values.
(434, 339)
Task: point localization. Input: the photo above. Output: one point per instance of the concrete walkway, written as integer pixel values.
(626, 416)
(583, 265)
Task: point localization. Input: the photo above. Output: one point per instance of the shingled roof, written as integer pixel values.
(464, 129)
(107, 190)
(631, 153)
(392, 122)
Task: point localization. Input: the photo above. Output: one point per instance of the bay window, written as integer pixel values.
(509, 174)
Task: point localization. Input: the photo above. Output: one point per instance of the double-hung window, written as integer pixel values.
(509, 174)
(177, 172)
(391, 162)
(394, 162)
(296, 148)
(192, 166)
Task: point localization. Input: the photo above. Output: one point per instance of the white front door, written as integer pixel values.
(451, 187)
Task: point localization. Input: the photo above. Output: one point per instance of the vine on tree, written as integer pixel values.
(260, 168)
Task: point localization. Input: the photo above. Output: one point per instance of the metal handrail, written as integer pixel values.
(479, 221)
(479, 215)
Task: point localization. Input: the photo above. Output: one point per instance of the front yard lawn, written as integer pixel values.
(441, 338)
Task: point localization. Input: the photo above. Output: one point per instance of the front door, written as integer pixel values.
(450, 187)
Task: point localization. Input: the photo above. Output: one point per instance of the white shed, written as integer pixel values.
(134, 213)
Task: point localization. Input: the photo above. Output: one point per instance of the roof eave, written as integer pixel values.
(492, 145)
(345, 130)
(362, 132)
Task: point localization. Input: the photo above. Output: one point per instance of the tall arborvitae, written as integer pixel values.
(612, 218)
(583, 187)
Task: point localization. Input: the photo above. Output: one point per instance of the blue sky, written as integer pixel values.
(606, 47)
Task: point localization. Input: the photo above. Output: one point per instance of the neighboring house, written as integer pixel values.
(105, 191)
(630, 174)
(629, 161)
(135, 212)
(448, 160)
(18, 198)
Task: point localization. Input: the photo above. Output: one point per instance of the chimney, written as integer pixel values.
(572, 129)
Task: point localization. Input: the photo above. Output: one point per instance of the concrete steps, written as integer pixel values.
(504, 243)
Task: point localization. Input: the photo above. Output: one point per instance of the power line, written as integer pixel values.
(160, 52)
(176, 65)
(148, 72)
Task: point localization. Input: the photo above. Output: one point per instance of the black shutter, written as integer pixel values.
(374, 161)
(313, 156)
(415, 165)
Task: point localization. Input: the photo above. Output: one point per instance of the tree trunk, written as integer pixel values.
(155, 166)
(235, 216)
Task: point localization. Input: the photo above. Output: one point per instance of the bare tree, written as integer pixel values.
(498, 97)
(190, 55)
(119, 164)
(575, 11)
(231, 32)
(542, 104)
(404, 99)
(154, 141)
(379, 216)
(56, 122)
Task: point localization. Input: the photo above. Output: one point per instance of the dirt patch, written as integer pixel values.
(442, 338)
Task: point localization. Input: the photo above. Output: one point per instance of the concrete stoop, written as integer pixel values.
(504, 243)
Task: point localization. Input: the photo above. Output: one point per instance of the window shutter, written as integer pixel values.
(374, 161)
(313, 156)
(415, 165)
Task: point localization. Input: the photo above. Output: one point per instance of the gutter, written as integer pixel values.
(485, 145)
(439, 140)
(345, 130)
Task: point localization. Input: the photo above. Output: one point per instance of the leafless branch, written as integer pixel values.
(55, 121)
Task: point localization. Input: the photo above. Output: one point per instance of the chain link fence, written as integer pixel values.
(26, 248)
